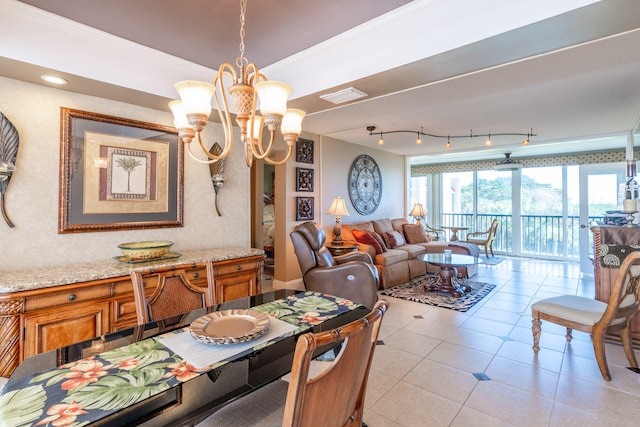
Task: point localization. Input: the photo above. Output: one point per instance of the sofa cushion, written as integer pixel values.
(397, 224)
(380, 240)
(392, 256)
(348, 228)
(367, 237)
(382, 225)
(413, 250)
(415, 233)
(393, 239)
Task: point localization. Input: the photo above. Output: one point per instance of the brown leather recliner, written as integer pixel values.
(352, 276)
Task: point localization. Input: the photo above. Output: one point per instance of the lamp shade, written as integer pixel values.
(179, 115)
(196, 96)
(273, 97)
(418, 210)
(292, 121)
(338, 207)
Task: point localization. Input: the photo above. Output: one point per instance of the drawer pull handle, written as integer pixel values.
(72, 297)
(196, 275)
(238, 268)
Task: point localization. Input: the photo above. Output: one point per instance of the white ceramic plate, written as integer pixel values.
(229, 326)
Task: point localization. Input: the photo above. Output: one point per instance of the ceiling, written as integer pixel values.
(568, 72)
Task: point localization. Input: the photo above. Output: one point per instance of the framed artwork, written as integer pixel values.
(304, 150)
(304, 179)
(118, 174)
(304, 208)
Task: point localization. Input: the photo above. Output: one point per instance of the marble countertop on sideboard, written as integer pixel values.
(43, 277)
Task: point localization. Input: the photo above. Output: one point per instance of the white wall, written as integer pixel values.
(337, 157)
(32, 197)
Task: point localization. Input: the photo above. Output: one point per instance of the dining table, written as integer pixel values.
(164, 372)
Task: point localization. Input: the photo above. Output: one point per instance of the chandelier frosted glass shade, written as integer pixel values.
(249, 90)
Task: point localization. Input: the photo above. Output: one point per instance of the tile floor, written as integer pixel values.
(423, 374)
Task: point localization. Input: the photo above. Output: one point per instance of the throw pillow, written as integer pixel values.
(380, 240)
(393, 239)
(367, 238)
(415, 233)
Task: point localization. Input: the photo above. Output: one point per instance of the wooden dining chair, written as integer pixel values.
(596, 317)
(485, 238)
(173, 295)
(334, 398)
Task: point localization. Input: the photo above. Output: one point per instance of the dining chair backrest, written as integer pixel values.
(173, 295)
(624, 301)
(334, 398)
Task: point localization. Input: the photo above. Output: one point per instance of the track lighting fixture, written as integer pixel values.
(371, 129)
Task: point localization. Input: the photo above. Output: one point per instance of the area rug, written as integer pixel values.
(494, 260)
(414, 291)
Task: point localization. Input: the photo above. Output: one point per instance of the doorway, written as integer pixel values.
(601, 190)
(269, 217)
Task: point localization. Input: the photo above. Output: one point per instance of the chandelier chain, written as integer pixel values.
(242, 61)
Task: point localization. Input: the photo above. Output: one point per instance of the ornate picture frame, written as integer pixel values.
(304, 208)
(304, 179)
(365, 184)
(118, 174)
(304, 150)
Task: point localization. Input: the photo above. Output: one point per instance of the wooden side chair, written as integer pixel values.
(596, 317)
(334, 398)
(485, 238)
(173, 295)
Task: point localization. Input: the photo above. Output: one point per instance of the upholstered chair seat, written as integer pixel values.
(596, 317)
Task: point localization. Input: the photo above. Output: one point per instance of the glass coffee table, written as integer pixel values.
(448, 280)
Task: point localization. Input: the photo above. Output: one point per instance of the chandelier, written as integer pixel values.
(191, 112)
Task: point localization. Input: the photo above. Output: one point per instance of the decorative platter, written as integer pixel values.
(229, 326)
(129, 260)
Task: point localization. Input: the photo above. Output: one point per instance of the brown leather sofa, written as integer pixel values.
(352, 276)
(399, 265)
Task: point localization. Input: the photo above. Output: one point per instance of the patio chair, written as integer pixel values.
(333, 398)
(596, 317)
(435, 233)
(173, 295)
(485, 238)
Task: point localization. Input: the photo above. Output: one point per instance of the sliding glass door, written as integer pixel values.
(601, 190)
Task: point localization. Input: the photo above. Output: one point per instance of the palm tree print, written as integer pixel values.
(129, 164)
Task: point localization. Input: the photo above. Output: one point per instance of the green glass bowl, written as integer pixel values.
(145, 250)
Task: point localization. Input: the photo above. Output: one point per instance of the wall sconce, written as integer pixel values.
(216, 169)
(338, 209)
(9, 143)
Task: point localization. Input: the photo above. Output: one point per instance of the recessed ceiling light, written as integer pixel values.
(54, 79)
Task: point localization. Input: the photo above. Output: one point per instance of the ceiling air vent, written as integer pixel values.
(507, 164)
(344, 95)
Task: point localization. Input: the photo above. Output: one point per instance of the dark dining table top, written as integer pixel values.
(130, 376)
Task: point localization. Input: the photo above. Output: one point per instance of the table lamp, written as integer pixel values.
(417, 212)
(338, 209)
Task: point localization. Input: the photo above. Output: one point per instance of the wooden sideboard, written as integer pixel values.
(77, 303)
(605, 276)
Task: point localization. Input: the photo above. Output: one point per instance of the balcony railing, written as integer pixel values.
(542, 235)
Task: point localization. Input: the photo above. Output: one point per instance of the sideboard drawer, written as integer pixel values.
(235, 268)
(68, 296)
